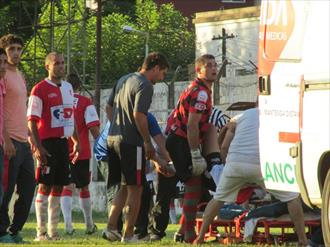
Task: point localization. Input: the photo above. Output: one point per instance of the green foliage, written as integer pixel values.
(169, 32)
(17, 16)
(126, 7)
(122, 53)
(6, 20)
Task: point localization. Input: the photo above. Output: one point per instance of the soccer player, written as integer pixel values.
(87, 121)
(51, 123)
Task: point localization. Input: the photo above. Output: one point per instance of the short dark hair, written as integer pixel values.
(154, 59)
(2, 51)
(74, 80)
(202, 60)
(10, 39)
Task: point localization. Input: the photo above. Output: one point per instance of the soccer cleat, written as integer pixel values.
(178, 237)
(70, 232)
(41, 237)
(91, 230)
(131, 240)
(55, 237)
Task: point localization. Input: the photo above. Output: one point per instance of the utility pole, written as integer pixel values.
(222, 70)
(224, 38)
(97, 93)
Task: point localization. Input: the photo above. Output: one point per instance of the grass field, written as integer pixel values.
(80, 239)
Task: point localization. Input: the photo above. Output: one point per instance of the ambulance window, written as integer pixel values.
(283, 25)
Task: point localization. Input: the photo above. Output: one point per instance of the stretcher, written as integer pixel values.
(268, 230)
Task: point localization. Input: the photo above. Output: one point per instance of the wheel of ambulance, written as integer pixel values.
(326, 210)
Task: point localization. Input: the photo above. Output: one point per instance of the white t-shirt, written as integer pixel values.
(245, 144)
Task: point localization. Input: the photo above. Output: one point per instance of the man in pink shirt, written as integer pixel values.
(3, 67)
(19, 165)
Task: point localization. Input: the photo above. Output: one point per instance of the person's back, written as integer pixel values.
(127, 92)
(245, 144)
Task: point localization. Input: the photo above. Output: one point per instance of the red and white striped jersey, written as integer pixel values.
(52, 107)
(86, 117)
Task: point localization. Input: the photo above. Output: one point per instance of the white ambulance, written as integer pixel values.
(294, 100)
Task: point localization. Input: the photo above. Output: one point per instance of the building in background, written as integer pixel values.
(231, 35)
(188, 8)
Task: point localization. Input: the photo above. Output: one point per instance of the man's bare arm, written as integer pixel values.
(95, 131)
(141, 122)
(40, 152)
(231, 127)
(193, 130)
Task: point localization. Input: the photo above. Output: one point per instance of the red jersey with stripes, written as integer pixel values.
(51, 106)
(86, 117)
(195, 99)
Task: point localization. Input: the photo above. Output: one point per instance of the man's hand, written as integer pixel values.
(162, 166)
(9, 148)
(198, 162)
(75, 152)
(150, 150)
(41, 155)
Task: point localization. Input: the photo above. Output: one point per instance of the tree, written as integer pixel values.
(121, 53)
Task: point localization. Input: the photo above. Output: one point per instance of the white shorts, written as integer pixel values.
(240, 175)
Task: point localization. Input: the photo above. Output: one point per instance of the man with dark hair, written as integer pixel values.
(51, 122)
(129, 141)
(188, 126)
(19, 165)
(87, 121)
(3, 67)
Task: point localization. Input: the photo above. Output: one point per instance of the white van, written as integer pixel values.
(294, 100)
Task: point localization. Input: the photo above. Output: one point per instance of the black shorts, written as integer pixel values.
(179, 151)
(56, 171)
(126, 163)
(80, 174)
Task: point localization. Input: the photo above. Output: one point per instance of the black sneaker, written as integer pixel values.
(178, 237)
(144, 236)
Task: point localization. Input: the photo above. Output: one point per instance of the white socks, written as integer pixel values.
(66, 206)
(41, 202)
(53, 213)
(86, 206)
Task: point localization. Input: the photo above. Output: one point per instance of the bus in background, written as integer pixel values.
(294, 100)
